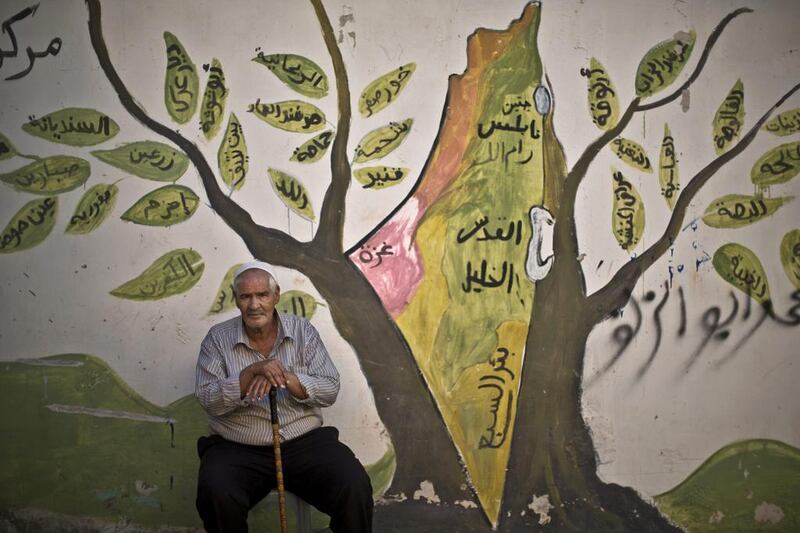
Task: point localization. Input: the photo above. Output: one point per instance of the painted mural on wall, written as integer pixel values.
(467, 306)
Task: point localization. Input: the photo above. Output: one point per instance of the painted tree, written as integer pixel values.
(561, 463)
(356, 310)
(551, 452)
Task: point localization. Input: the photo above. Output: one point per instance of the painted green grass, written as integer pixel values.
(144, 471)
(140, 471)
(746, 486)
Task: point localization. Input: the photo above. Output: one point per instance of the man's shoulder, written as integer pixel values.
(226, 327)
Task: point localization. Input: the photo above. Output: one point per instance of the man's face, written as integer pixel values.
(255, 299)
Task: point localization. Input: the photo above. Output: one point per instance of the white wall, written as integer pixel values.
(649, 434)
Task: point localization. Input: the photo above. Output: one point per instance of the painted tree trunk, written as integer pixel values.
(552, 479)
(422, 445)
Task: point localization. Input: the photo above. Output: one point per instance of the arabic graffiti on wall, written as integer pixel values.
(10, 53)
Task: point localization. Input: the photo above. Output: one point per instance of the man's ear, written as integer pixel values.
(277, 295)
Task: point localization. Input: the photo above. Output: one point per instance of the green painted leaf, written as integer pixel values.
(380, 177)
(385, 90)
(778, 165)
(7, 150)
(52, 175)
(172, 273)
(75, 126)
(292, 193)
(298, 72)
(729, 119)
(93, 208)
(30, 225)
(668, 175)
(790, 256)
(603, 104)
(181, 83)
(741, 268)
(663, 63)
(165, 206)
(382, 141)
(737, 210)
(631, 153)
(786, 123)
(232, 155)
(627, 215)
(290, 115)
(212, 110)
(225, 300)
(147, 159)
(312, 150)
(297, 303)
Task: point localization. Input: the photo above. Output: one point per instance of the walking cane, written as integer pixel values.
(276, 444)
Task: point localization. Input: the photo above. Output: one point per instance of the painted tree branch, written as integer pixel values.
(232, 213)
(332, 214)
(712, 39)
(565, 231)
(579, 170)
(615, 293)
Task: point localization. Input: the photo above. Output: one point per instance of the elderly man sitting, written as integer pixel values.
(240, 360)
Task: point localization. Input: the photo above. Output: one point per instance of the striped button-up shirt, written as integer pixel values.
(226, 351)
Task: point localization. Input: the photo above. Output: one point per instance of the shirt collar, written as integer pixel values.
(242, 338)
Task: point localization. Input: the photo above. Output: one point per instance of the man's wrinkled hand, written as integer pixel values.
(258, 388)
(255, 380)
(272, 370)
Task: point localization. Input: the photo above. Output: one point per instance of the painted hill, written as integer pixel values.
(751, 485)
(77, 440)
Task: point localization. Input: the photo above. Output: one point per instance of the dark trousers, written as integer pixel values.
(316, 467)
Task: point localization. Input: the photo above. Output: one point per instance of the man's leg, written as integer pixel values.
(232, 479)
(325, 473)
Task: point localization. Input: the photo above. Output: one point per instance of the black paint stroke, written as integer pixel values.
(622, 335)
(746, 337)
(682, 327)
(713, 328)
(657, 323)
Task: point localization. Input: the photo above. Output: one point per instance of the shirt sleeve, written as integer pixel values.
(320, 378)
(217, 392)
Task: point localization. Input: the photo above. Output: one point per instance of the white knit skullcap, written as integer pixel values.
(253, 265)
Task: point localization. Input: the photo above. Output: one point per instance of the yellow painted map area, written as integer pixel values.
(468, 320)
